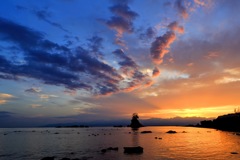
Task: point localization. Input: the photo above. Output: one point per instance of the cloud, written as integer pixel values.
(36, 106)
(156, 72)
(175, 27)
(43, 15)
(160, 46)
(47, 96)
(95, 46)
(181, 8)
(126, 61)
(200, 2)
(131, 70)
(4, 98)
(74, 68)
(2, 101)
(122, 21)
(123, 10)
(5, 114)
(70, 92)
(149, 33)
(225, 80)
(52, 63)
(33, 90)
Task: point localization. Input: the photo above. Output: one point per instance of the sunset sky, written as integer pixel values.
(87, 60)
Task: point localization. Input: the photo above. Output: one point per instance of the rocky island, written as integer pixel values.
(134, 122)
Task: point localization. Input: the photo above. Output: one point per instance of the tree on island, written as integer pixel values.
(134, 122)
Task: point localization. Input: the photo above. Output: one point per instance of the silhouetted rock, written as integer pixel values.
(48, 158)
(133, 149)
(118, 126)
(109, 149)
(104, 150)
(112, 148)
(234, 152)
(229, 122)
(207, 123)
(134, 122)
(144, 132)
(171, 132)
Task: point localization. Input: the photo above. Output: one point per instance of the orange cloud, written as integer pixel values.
(181, 9)
(160, 46)
(156, 72)
(4, 97)
(175, 27)
(2, 101)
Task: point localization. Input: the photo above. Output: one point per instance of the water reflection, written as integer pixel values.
(195, 144)
(135, 137)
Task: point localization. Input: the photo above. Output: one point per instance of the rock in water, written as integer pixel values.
(48, 158)
(171, 131)
(133, 149)
(143, 132)
(134, 122)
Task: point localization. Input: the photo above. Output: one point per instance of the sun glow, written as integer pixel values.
(196, 112)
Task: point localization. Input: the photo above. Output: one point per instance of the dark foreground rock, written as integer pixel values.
(109, 149)
(48, 158)
(144, 132)
(171, 132)
(65, 159)
(135, 124)
(133, 149)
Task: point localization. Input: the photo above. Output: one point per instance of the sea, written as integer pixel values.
(189, 143)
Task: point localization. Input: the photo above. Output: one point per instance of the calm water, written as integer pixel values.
(188, 143)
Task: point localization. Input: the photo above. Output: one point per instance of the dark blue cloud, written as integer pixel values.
(5, 114)
(125, 60)
(56, 64)
(129, 67)
(121, 21)
(25, 37)
(182, 10)
(45, 16)
(123, 10)
(74, 68)
(149, 33)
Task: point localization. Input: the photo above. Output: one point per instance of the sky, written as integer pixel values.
(83, 61)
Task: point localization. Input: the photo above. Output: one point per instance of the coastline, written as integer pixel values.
(228, 122)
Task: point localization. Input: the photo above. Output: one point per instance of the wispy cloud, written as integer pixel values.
(182, 10)
(36, 106)
(33, 90)
(4, 98)
(122, 21)
(160, 46)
